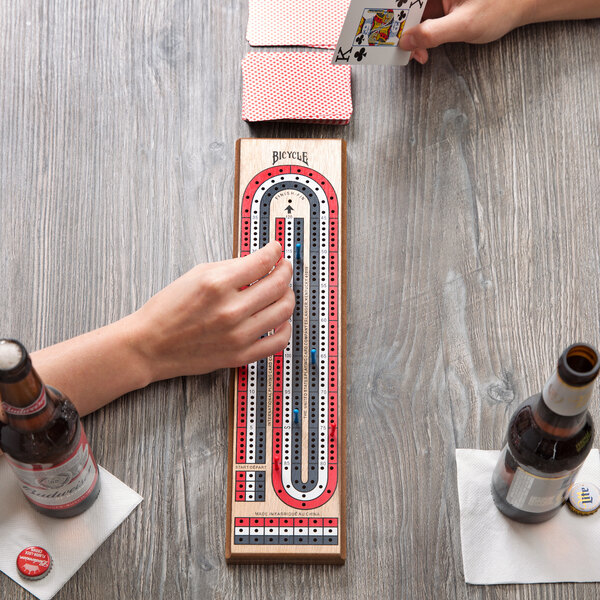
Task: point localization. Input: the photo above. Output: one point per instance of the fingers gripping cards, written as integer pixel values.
(372, 31)
(286, 488)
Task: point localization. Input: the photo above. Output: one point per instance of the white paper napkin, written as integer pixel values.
(70, 542)
(496, 549)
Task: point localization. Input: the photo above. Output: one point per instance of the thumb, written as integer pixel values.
(253, 267)
(434, 32)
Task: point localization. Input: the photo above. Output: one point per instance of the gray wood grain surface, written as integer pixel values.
(473, 261)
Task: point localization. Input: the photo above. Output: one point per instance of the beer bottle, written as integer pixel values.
(43, 439)
(549, 437)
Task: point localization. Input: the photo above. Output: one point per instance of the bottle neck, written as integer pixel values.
(555, 425)
(27, 403)
(564, 399)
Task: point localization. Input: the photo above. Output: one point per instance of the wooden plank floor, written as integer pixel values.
(473, 260)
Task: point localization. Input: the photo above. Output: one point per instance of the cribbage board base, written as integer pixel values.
(286, 468)
(292, 559)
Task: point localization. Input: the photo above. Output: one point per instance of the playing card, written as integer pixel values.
(372, 31)
(314, 23)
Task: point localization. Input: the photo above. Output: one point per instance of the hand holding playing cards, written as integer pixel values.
(209, 318)
(482, 21)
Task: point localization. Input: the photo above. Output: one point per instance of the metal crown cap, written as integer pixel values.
(34, 563)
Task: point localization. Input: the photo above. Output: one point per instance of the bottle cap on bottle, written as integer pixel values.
(34, 563)
(14, 361)
(584, 498)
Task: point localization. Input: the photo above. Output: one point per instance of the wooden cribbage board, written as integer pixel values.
(286, 472)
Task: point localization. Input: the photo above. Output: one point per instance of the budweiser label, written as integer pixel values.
(61, 486)
(25, 411)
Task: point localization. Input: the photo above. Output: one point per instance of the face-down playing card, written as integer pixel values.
(372, 31)
(313, 23)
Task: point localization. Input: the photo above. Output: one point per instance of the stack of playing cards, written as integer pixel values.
(301, 86)
(313, 23)
(298, 86)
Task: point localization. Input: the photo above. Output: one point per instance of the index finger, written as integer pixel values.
(251, 268)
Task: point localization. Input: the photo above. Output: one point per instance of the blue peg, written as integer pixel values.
(298, 251)
(296, 413)
(313, 357)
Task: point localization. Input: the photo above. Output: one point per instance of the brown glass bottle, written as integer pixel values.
(549, 437)
(43, 439)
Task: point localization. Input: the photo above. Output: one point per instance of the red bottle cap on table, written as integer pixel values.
(33, 563)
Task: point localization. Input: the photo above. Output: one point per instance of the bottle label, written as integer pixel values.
(57, 487)
(535, 494)
(26, 411)
(565, 399)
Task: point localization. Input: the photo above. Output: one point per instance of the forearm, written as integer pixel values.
(212, 317)
(95, 368)
(539, 11)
